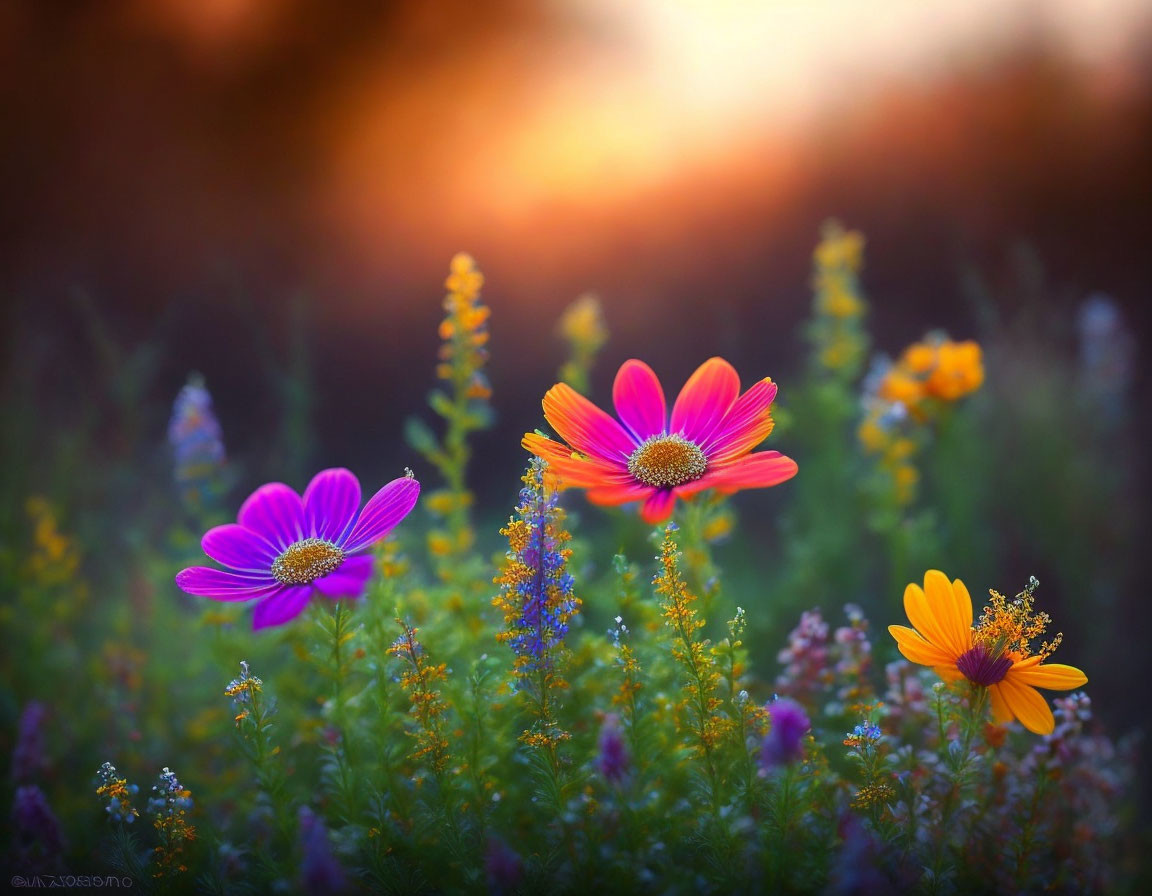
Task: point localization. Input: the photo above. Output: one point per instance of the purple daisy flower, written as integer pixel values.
(284, 548)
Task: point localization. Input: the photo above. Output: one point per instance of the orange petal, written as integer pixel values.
(581, 472)
(1053, 676)
(948, 673)
(1027, 705)
(964, 606)
(945, 607)
(747, 424)
(1000, 711)
(923, 619)
(608, 496)
(585, 427)
(916, 649)
(760, 470)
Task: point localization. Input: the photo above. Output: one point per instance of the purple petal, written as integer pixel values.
(276, 512)
(221, 585)
(382, 512)
(330, 503)
(349, 580)
(239, 547)
(282, 607)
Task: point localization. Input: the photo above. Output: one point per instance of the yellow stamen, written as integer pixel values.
(666, 461)
(306, 561)
(1010, 626)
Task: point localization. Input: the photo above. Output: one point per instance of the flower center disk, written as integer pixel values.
(305, 561)
(979, 666)
(667, 461)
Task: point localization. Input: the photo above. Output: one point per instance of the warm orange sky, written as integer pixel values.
(381, 138)
(621, 98)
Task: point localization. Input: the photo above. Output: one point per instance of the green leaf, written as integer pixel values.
(441, 404)
(420, 437)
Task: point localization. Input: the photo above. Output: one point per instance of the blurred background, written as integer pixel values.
(268, 192)
(193, 168)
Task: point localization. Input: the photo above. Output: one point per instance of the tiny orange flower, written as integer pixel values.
(959, 370)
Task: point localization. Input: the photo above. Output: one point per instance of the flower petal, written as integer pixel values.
(918, 650)
(1000, 711)
(1053, 676)
(585, 427)
(963, 604)
(282, 607)
(330, 503)
(1027, 705)
(922, 615)
(658, 506)
(576, 471)
(704, 400)
(219, 584)
(948, 611)
(276, 512)
(639, 400)
(349, 580)
(747, 424)
(760, 470)
(610, 495)
(240, 548)
(383, 511)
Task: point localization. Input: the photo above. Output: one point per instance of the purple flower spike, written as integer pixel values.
(320, 872)
(613, 759)
(502, 867)
(29, 759)
(784, 742)
(37, 841)
(284, 548)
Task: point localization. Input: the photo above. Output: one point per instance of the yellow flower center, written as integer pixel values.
(667, 461)
(306, 561)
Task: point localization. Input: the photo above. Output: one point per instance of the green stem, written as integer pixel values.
(1028, 831)
(971, 720)
(342, 749)
(268, 778)
(697, 552)
(700, 704)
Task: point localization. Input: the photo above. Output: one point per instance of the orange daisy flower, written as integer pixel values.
(995, 653)
(647, 456)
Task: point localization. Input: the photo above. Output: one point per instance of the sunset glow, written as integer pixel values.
(641, 95)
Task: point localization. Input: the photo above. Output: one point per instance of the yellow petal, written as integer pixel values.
(1027, 705)
(945, 607)
(948, 673)
(1000, 711)
(916, 649)
(1053, 676)
(964, 604)
(922, 618)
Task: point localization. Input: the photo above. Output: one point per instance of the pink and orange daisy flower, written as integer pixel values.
(647, 455)
(995, 653)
